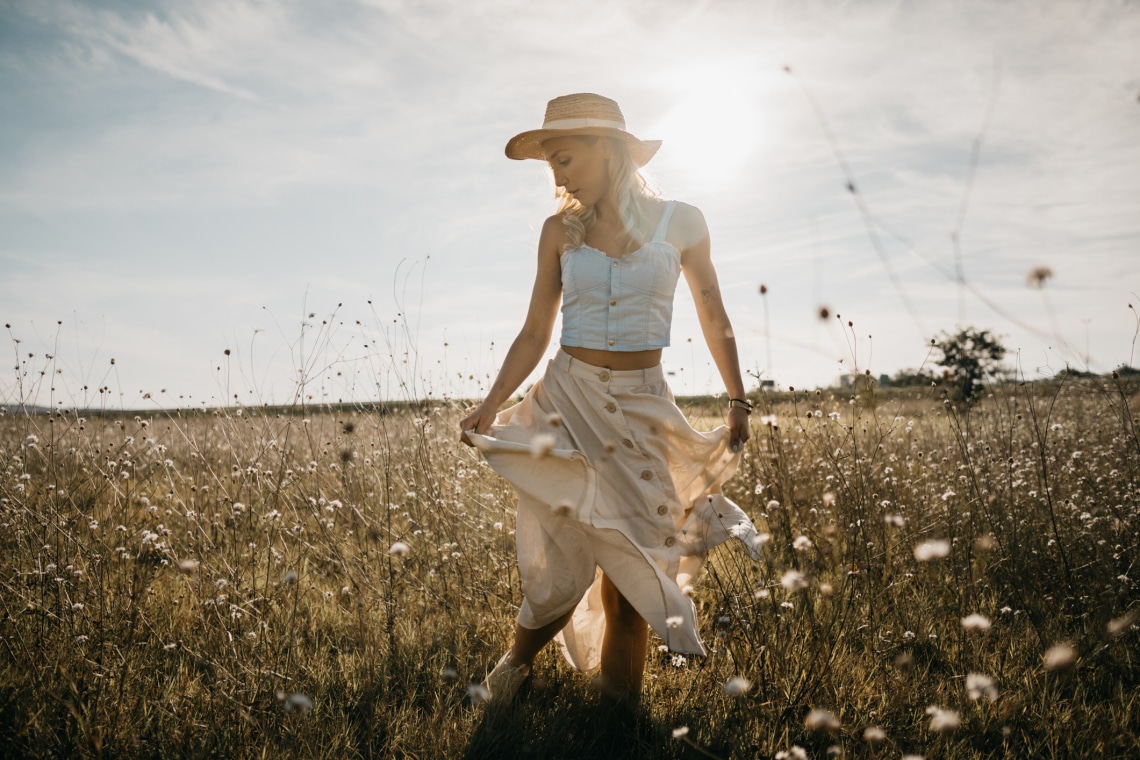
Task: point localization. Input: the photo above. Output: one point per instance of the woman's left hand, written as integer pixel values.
(738, 430)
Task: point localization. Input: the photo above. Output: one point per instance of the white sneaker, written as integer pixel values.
(504, 680)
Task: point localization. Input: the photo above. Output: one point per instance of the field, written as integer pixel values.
(940, 581)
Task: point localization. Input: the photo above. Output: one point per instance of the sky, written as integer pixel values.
(252, 202)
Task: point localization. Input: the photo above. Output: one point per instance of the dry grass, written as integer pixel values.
(221, 583)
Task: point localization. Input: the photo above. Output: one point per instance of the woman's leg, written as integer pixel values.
(530, 641)
(624, 644)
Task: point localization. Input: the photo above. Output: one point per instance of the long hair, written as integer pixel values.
(627, 186)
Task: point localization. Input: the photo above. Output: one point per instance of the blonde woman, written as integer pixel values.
(619, 497)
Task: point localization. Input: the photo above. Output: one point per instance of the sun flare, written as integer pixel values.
(711, 133)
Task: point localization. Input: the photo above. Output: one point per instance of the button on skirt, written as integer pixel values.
(612, 478)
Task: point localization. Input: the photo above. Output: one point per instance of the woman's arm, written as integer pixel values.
(696, 263)
(534, 336)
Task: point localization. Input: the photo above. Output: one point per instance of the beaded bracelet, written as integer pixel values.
(739, 403)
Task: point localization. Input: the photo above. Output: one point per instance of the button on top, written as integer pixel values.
(613, 302)
(611, 407)
(647, 474)
(613, 342)
(616, 263)
(604, 375)
(670, 541)
(663, 510)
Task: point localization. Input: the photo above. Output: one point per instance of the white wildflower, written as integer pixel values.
(821, 720)
(929, 550)
(399, 549)
(478, 693)
(680, 731)
(737, 686)
(1060, 657)
(943, 720)
(979, 685)
(802, 543)
(874, 735)
(541, 445)
(298, 702)
(795, 753)
(793, 580)
(976, 622)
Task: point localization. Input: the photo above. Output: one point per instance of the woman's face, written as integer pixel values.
(580, 165)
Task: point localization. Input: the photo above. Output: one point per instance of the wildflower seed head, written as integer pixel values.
(680, 731)
(1038, 276)
(874, 735)
(1119, 625)
(976, 622)
(541, 445)
(399, 549)
(737, 686)
(1060, 657)
(943, 720)
(477, 693)
(299, 703)
(793, 580)
(188, 566)
(289, 577)
(979, 685)
(929, 550)
(819, 719)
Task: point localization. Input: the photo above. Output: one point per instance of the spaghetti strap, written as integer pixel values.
(663, 227)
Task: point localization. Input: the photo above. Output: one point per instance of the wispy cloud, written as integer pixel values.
(270, 148)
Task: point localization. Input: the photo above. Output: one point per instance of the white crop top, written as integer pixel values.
(620, 304)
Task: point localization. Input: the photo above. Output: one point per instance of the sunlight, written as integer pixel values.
(713, 130)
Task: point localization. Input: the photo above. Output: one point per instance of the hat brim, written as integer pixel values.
(529, 144)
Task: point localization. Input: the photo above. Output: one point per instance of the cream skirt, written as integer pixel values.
(611, 477)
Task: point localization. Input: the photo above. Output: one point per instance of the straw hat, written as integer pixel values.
(582, 113)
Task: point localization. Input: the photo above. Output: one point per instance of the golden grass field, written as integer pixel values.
(941, 581)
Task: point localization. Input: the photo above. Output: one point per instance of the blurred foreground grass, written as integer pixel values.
(940, 581)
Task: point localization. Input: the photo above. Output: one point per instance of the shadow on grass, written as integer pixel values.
(552, 720)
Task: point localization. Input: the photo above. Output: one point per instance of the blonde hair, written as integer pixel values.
(628, 188)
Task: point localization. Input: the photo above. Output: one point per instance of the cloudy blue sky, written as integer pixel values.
(183, 178)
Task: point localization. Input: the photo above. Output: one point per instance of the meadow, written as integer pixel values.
(940, 581)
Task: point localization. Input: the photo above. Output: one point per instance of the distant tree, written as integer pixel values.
(911, 377)
(1072, 373)
(969, 354)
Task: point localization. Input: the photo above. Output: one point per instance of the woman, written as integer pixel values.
(619, 498)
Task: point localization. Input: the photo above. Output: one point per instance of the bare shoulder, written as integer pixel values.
(688, 226)
(553, 233)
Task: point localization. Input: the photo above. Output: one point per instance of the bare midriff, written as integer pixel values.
(618, 360)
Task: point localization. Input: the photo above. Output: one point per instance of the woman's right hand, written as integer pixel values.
(478, 421)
